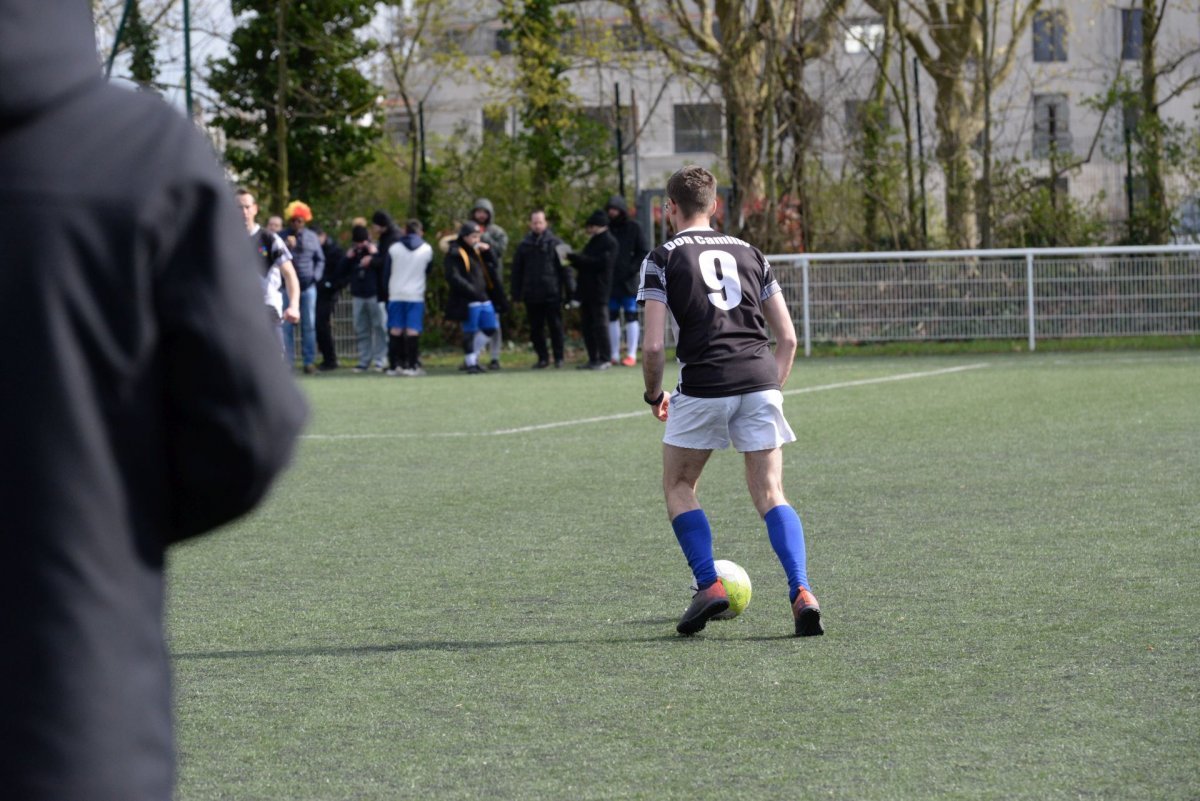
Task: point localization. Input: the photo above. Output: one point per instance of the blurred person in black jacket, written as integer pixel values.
(149, 404)
(543, 284)
(328, 289)
(632, 248)
(594, 282)
(362, 264)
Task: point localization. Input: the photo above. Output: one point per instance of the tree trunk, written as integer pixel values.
(741, 81)
(1157, 215)
(956, 129)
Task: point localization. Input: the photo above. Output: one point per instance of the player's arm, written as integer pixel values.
(776, 311)
(654, 357)
(291, 283)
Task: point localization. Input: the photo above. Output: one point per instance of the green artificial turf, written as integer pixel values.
(466, 588)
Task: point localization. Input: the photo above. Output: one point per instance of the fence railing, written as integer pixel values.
(1050, 293)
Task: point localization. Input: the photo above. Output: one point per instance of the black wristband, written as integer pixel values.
(657, 400)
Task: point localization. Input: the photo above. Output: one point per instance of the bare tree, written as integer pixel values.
(750, 52)
(948, 37)
(418, 54)
(803, 41)
(1161, 82)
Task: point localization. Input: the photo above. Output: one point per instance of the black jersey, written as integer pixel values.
(714, 286)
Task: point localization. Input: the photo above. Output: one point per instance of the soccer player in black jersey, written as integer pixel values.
(723, 295)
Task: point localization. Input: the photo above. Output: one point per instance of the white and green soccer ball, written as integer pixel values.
(737, 585)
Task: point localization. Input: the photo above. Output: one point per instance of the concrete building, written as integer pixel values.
(1046, 109)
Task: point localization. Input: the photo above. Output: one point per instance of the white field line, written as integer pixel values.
(500, 432)
(885, 379)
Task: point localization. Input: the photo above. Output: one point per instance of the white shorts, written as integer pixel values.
(753, 422)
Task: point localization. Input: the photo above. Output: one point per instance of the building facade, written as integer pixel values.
(1047, 111)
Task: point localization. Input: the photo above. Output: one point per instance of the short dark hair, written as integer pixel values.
(693, 189)
(414, 227)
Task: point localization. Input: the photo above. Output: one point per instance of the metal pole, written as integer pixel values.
(620, 146)
(637, 174)
(187, 58)
(117, 40)
(1128, 182)
(986, 226)
(804, 307)
(1029, 300)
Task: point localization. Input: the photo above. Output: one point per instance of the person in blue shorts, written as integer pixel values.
(723, 293)
(411, 258)
(627, 270)
(468, 278)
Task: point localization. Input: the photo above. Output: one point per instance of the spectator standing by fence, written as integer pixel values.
(542, 283)
(632, 247)
(469, 303)
(309, 261)
(411, 261)
(328, 289)
(595, 267)
(360, 264)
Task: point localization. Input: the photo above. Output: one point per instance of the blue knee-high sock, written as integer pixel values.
(695, 538)
(787, 538)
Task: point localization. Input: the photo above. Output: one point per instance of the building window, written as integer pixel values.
(1051, 125)
(629, 38)
(456, 39)
(863, 36)
(1131, 115)
(605, 118)
(698, 128)
(502, 43)
(1050, 35)
(495, 119)
(1131, 34)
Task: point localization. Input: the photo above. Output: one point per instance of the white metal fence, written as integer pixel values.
(992, 294)
(1051, 293)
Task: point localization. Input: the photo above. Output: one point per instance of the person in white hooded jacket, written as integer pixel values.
(411, 259)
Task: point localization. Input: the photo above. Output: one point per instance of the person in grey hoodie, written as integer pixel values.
(496, 239)
(149, 404)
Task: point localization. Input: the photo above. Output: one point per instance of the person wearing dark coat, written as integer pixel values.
(542, 283)
(149, 405)
(468, 275)
(328, 289)
(632, 248)
(595, 267)
(362, 264)
(494, 238)
(385, 232)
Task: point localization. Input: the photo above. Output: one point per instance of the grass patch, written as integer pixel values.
(432, 605)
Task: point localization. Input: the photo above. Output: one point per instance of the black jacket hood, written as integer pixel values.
(47, 51)
(618, 203)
